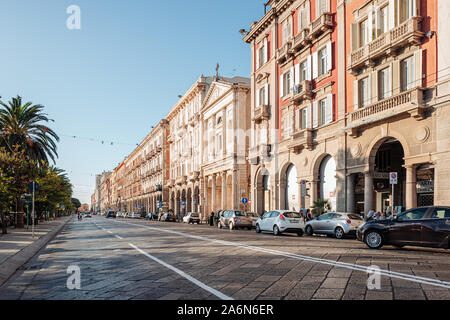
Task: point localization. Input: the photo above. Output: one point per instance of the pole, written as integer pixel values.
(32, 212)
(393, 199)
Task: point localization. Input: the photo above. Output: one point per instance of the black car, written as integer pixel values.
(424, 226)
(171, 217)
(111, 214)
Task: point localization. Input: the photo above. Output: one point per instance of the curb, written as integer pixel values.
(10, 266)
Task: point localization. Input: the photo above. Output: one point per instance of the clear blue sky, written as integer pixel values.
(121, 73)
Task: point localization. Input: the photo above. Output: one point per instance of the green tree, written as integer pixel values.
(76, 203)
(17, 171)
(23, 125)
(320, 206)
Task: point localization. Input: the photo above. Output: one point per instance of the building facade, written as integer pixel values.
(349, 91)
(225, 118)
(185, 145)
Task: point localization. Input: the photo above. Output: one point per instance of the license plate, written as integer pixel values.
(293, 221)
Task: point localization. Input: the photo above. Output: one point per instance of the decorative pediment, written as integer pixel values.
(215, 92)
(262, 76)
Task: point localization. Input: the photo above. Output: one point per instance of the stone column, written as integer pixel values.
(224, 191)
(234, 190)
(350, 205)
(313, 192)
(213, 193)
(411, 188)
(368, 192)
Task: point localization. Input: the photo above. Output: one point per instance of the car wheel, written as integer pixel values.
(300, 233)
(276, 231)
(309, 231)
(339, 233)
(258, 229)
(374, 240)
(249, 228)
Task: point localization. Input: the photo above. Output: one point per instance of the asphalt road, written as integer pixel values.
(136, 259)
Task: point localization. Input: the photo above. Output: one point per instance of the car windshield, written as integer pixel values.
(194, 214)
(354, 217)
(291, 215)
(252, 214)
(240, 214)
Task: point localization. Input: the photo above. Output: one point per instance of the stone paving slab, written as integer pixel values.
(18, 246)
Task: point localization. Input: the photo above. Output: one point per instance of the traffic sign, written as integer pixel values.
(31, 184)
(303, 188)
(183, 203)
(393, 178)
(244, 200)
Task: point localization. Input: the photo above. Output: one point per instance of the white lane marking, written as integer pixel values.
(118, 237)
(108, 231)
(184, 275)
(387, 273)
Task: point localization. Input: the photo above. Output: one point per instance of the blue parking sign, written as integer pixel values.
(244, 200)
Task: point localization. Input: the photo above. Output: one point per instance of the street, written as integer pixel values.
(125, 259)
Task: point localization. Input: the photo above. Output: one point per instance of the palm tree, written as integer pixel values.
(22, 125)
(320, 206)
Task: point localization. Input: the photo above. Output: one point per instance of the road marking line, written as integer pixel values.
(118, 237)
(184, 275)
(387, 273)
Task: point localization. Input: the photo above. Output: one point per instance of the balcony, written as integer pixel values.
(181, 180)
(301, 40)
(303, 92)
(321, 24)
(284, 52)
(194, 175)
(386, 44)
(410, 101)
(300, 139)
(261, 113)
(171, 182)
(259, 152)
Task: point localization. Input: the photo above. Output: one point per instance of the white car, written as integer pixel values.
(134, 215)
(281, 221)
(191, 217)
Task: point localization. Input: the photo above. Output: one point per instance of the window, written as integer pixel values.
(441, 213)
(384, 83)
(262, 54)
(406, 10)
(304, 118)
(363, 92)
(363, 33)
(415, 214)
(407, 73)
(286, 83)
(262, 96)
(323, 61)
(323, 110)
(303, 71)
(286, 30)
(303, 16)
(383, 21)
(321, 7)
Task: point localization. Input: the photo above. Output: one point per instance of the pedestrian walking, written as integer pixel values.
(309, 216)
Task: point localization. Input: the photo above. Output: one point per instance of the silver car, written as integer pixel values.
(334, 223)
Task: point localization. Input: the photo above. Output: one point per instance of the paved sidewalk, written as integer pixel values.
(17, 247)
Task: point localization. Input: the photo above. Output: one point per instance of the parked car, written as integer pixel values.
(149, 216)
(110, 214)
(191, 217)
(87, 215)
(234, 219)
(424, 226)
(169, 217)
(254, 216)
(134, 215)
(281, 221)
(334, 223)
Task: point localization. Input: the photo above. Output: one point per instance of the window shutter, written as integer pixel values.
(329, 109)
(297, 74)
(391, 14)
(370, 25)
(369, 90)
(308, 68)
(298, 124)
(308, 116)
(266, 55)
(257, 58)
(355, 95)
(291, 71)
(417, 66)
(377, 21)
(315, 114)
(281, 86)
(354, 36)
(315, 65)
(258, 93)
(266, 94)
(389, 81)
(329, 57)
